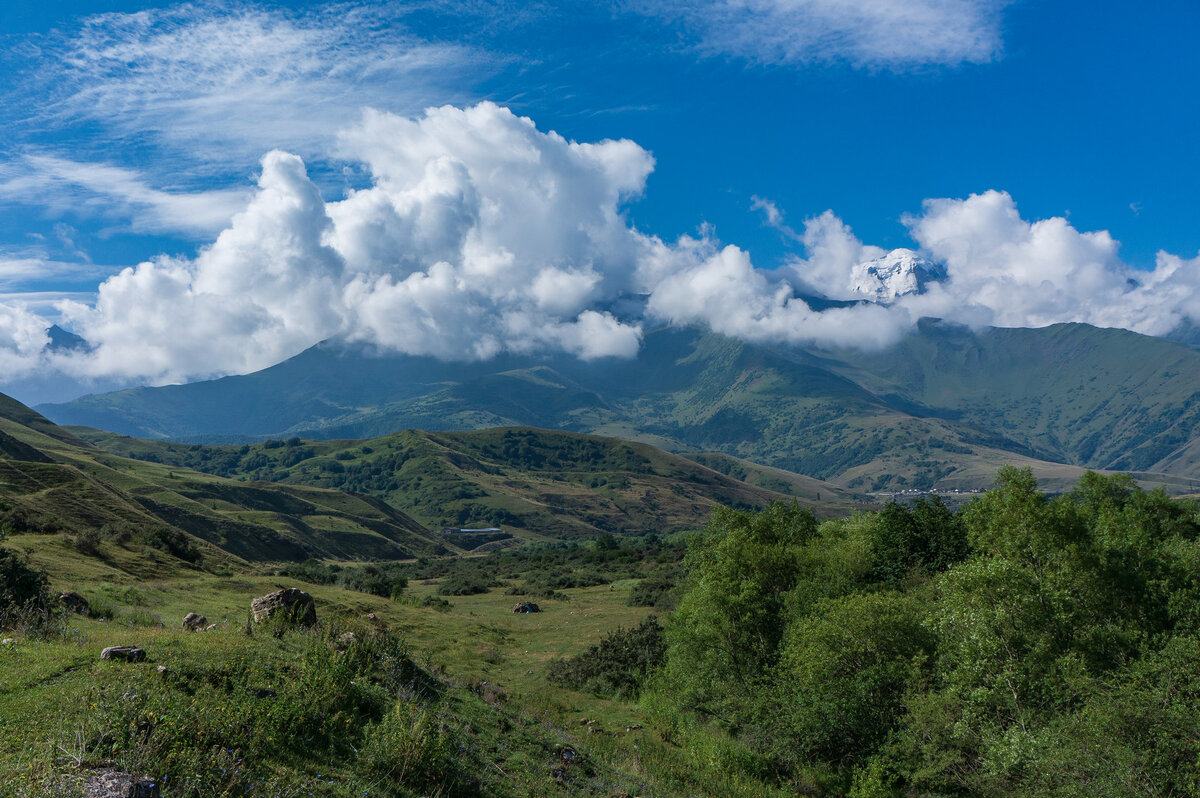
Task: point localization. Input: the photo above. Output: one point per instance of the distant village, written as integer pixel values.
(951, 496)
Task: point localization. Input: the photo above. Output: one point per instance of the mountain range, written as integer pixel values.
(946, 406)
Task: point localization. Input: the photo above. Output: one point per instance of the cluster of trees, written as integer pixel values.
(1025, 645)
(379, 579)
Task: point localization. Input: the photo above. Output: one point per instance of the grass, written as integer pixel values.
(488, 716)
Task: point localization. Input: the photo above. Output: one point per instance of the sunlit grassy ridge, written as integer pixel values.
(54, 482)
(540, 484)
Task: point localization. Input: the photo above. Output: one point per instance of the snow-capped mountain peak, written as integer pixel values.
(899, 272)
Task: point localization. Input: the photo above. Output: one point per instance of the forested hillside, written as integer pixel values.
(1025, 646)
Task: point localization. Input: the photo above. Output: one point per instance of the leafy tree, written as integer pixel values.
(842, 673)
(928, 538)
(725, 634)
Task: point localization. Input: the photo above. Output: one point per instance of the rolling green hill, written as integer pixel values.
(941, 408)
(539, 484)
(138, 516)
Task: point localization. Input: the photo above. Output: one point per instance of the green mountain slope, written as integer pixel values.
(53, 482)
(1072, 393)
(537, 484)
(939, 408)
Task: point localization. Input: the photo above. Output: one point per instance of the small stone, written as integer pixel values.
(345, 640)
(210, 627)
(372, 616)
(633, 727)
(123, 653)
(8, 642)
(163, 669)
(584, 722)
(194, 622)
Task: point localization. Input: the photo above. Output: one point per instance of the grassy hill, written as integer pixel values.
(140, 515)
(539, 484)
(941, 407)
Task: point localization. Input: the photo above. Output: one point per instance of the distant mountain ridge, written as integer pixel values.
(946, 406)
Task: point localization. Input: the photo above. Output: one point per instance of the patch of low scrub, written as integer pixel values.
(618, 665)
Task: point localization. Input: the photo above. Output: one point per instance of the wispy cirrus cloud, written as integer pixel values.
(224, 82)
(111, 191)
(889, 34)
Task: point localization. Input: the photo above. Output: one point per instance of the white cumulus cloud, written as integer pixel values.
(480, 234)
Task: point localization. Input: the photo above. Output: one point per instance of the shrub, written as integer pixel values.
(466, 585)
(21, 585)
(656, 590)
(378, 580)
(88, 542)
(618, 665)
(415, 745)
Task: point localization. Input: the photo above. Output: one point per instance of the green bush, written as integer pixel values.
(22, 587)
(466, 585)
(617, 666)
(417, 745)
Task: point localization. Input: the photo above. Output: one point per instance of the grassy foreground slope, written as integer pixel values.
(540, 484)
(444, 699)
(52, 482)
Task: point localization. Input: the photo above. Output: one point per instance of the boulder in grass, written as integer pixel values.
(194, 622)
(123, 653)
(74, 602)
(526, 607)
(290, 603)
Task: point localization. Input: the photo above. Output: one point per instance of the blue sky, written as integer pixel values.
(134, 130)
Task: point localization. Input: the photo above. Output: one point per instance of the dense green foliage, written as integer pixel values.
(379, 579)
(1025, 646)
(22, 587)
(543, 571)
(616, 666)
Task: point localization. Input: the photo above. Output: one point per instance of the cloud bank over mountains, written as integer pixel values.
(481, 234)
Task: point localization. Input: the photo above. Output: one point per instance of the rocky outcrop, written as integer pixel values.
(113, 784)
(123, 653)
(290, 603)
(526, 606)
(194, 622)
(74, 602)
